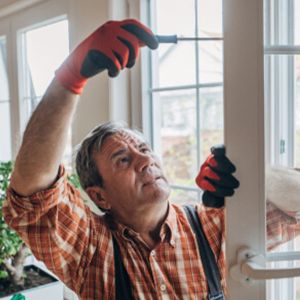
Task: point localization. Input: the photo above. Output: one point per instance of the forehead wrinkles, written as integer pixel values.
(119, 140)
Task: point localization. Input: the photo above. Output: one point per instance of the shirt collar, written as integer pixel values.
(168, 231)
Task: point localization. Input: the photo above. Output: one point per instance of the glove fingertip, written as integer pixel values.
(113, 73)
(237, 184)
(130, 64)
(144, 34)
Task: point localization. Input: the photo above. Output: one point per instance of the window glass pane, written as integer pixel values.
(210, 62)
(174, 65)
(284, 22)
(178, 136)
(5, 141)
(4, 91)
(5, 130)
(175, 17)
(297, 114)
(210, 18)
(281, 94)
(182, 197)
(211, 119)
(287, 288)
(297, 25)
(43, 50)
(46, 48)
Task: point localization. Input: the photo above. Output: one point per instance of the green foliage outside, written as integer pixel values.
(10, 243)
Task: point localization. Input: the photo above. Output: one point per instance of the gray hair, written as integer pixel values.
(86, 167)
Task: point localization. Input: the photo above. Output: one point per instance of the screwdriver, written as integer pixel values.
(173, 39)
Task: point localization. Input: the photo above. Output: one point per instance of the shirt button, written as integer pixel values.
(152, 253)
(163, 287)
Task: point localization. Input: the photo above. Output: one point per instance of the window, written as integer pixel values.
(244, 130)
(282, 95)
(186, 90)
(43, 48)
(5, 130)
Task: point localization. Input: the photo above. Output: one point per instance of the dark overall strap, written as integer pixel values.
(209, 263)
(122, 280)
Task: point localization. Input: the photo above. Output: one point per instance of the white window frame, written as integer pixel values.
(4, 32)
(282, 139)
(143, 109)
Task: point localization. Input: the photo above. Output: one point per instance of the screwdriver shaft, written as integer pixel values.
(173, 39)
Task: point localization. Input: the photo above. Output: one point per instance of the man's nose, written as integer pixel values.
(143, 161)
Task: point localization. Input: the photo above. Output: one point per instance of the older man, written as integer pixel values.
(142, 247)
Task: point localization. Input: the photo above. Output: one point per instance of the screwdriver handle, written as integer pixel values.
(167, 39)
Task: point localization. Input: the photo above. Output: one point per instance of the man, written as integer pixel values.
(124, 178)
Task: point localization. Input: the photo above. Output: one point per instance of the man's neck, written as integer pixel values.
(147, 223)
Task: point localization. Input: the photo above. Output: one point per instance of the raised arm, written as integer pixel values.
(44, 141)
(283, 189)
(113, 46)
(283, 205)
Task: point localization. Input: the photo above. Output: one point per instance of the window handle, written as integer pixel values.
(250, 266)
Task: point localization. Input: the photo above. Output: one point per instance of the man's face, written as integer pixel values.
(132, 174)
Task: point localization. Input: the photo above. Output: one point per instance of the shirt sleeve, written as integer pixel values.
(57, 226)
(281, 227)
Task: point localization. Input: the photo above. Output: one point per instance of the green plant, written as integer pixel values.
(12, 249)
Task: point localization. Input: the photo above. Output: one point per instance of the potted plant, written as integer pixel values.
(16, 279)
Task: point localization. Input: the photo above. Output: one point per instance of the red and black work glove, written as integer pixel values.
(113, 46)
(215, 178)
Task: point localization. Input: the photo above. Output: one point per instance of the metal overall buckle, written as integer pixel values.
(217, 297)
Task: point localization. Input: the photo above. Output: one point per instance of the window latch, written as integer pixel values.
(282, 146)
(250, 266)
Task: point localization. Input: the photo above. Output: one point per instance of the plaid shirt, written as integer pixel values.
(76, 245)
(281, 226)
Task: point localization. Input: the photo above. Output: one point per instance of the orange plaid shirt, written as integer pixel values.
(76, 245)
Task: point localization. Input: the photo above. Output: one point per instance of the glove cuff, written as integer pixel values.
(68, 80)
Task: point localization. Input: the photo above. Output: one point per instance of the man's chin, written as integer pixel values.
(159, 194)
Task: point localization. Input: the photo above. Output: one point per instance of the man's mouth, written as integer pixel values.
(151, 181)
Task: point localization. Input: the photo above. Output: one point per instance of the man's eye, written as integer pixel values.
(124, 160)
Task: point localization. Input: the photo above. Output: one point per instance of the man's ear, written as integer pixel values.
(96, 194)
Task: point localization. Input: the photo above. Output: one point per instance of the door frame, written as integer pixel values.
(244, 134)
